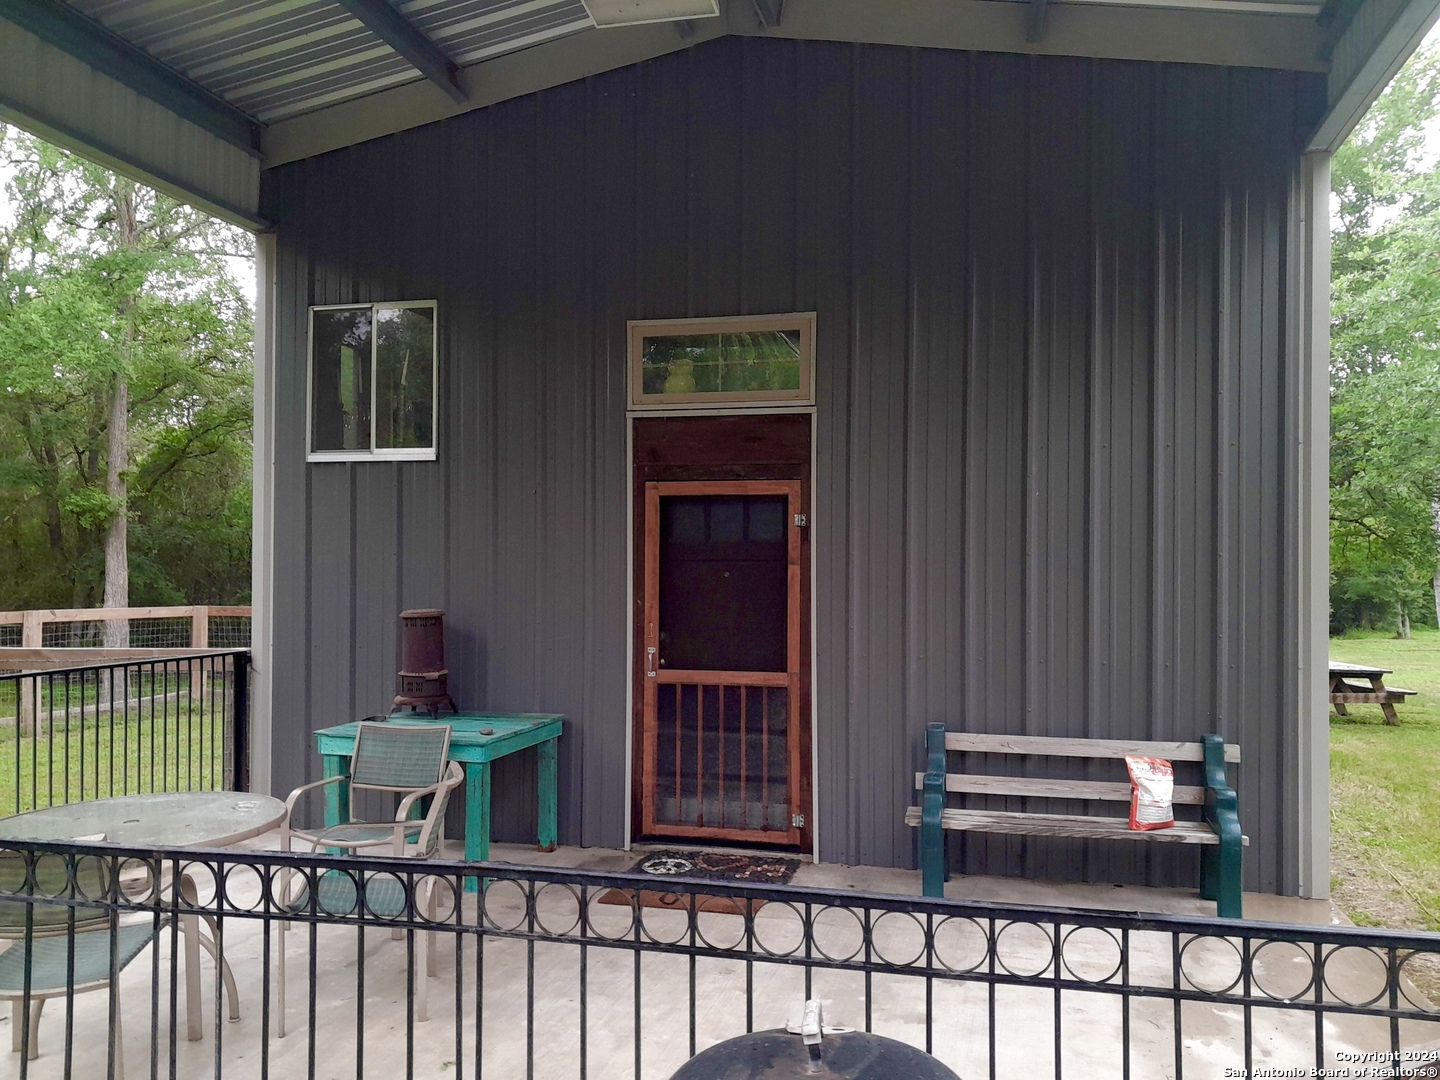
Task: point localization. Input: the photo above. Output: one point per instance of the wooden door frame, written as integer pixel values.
(801, 467)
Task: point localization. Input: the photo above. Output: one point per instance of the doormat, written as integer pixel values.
(711, 866)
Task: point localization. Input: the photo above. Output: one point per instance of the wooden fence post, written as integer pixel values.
(32, 636)
(200, 627)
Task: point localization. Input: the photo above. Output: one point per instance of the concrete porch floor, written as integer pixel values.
(1091, 1041)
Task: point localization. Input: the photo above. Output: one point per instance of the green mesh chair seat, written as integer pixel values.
(358, 832)
(402, 759)
(51, 880)
(411, 760)
(49, 959)
(336, 895)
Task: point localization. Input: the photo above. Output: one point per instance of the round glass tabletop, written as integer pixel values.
(171, 819)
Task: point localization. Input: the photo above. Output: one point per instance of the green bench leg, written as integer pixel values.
(1228, 904)
(1220, 866)
(933, 870)
(932, 859)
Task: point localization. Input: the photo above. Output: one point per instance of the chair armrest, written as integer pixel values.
(294, 796)
(454, 777)
(292, 799)
(402, 811)
(1221, 806)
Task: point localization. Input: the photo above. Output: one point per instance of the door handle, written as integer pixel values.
(650, 662)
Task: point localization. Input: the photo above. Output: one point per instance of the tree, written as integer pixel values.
(1385, 360)
(124, 391)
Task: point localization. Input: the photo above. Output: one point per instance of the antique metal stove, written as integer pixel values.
(423, 676)
(812, 1051)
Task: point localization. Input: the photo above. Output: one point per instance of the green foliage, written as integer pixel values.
(1385, 359)
(106, 284)
(1385, 819)
(721, 363)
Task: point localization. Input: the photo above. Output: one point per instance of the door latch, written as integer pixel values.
(650, 662)
(800, 521)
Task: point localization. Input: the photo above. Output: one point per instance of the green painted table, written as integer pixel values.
(474, 752)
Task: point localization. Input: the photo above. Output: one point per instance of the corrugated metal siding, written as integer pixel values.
(1050, 428)
(280, 58)
(62, 99)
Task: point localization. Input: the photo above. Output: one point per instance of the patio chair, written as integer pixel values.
(57, 971)
(406, 760)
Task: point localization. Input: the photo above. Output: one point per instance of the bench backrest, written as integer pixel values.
(1043, 746)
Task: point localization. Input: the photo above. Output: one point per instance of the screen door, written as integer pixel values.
(721, 737)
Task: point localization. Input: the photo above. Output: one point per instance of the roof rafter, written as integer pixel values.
(91, 43)
(769, 12)
(1035, 21)
(419, 51)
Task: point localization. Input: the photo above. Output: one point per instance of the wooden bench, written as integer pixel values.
(1219, 830)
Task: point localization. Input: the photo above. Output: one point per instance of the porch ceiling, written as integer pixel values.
(279, 80)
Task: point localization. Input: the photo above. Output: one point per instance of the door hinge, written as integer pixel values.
(800, 521)
(797, 821)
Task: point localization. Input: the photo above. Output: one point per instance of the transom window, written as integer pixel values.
(372, 381)
(744, 360)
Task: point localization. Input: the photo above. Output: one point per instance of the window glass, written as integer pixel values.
(725, 363)
(723, 582)
(404, 377)
(340, 374)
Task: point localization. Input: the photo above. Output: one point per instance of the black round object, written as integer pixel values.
(780, 1055)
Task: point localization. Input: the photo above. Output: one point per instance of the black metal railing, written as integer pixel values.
(121, 728)
(556, 973)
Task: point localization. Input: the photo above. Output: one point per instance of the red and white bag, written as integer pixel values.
(1152, 790)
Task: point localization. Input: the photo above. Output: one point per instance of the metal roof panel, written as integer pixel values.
(280, 58)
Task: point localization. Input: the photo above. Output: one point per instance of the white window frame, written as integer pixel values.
(640, 329)
(395, 453)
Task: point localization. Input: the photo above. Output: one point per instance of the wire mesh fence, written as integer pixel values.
(157, 628)
(229, 631)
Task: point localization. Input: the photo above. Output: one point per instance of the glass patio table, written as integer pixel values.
(161, 819)
(476, 739)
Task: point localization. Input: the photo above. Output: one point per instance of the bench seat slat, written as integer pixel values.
(1389, 697)
(1030, 787)
(1086, 828)
(1045, 746)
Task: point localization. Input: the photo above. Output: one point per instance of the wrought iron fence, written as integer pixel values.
(557, 973)
(125, 727)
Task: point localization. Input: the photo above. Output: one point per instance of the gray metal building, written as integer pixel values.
(1068, 270)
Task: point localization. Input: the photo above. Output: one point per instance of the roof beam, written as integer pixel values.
(1035, 21)
(419, 52)
(769, 12)
(1244, 39)
(91, 43)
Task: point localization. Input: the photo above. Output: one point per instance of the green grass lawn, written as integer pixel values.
(181, 752)
(1384, 809)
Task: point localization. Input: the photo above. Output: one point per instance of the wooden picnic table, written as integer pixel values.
(1357, 684)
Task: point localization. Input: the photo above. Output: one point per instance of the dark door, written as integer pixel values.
(725, 604)
(722, 747)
